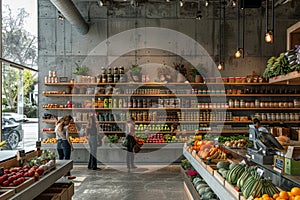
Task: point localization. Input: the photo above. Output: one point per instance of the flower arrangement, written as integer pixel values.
(164, 73)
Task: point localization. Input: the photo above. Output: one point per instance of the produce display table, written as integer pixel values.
(284, 181)
(158, 153)
(32, 191)
(213, 183)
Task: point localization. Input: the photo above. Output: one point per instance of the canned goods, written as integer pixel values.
(46, 79)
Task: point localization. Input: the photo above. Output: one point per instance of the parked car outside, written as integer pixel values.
(12, 133)
(14, 117)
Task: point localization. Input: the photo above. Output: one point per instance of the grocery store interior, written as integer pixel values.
(209, 90)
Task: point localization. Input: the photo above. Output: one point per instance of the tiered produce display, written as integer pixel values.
(242, 180)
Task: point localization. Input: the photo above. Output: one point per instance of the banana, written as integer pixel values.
(3, 143)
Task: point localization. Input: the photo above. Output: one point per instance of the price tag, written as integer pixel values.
(1, 171)
(260, 172)
(243, 162)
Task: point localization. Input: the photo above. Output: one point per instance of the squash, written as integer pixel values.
(201, 191)
(223, 164)
(208, 196)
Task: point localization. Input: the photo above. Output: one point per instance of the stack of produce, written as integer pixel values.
(294, 194)
(238, 141)
(72, 139)
(246, 179)
(203, 189)
(285, 63)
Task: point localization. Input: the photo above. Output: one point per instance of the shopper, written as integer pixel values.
(64, 146)
(258, 125)
(130, 134)
(92, 134)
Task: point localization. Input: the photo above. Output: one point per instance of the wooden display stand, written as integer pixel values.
(293, 36)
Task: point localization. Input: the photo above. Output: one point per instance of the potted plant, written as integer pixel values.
(197, 72)
(80, 71)
(164, 73)
(135, 72)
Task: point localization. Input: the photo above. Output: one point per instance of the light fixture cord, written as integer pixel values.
(238, 28)
(273, 18)
(267, 16)
(220, 42)
(243, 34)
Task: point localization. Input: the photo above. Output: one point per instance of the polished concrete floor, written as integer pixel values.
(116, 183)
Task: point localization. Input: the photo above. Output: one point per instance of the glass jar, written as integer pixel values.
(261, 104)
(291, 105)
(296, 117)
(257, 103)
(273, 117)
(236, 103)
(292, 117)
(231, 103)
(277, 116)
(269, 116)
(247, 104)
(282, 116)
(287, 116)
(263, 116)
(242, 103)
(251, 104)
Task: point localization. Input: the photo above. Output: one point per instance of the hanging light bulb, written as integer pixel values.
(100, 3)
(238, 53)
(269, 36)
(168, 1)
(220, 66)
(233, 4)
(206, 3)
(181, 3)
(60, 16)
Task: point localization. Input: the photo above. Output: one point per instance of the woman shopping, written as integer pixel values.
(130, 134)
(91, 132)
(64, 146)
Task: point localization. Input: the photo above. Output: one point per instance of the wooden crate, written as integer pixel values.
(68, 186)
(6, 193)
(237, 195)
(219, 177)
(48, 196)
(15, 163)
(211, 168)
(22, 186)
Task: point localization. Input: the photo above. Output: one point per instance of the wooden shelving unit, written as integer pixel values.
(293, 36)
(290, 78)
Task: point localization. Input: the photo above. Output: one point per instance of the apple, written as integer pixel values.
(1, 179)
(36, 176)
(16, 182)
(40, 171)
(5, 183)
(11, 179)
(34, 167)
(5, 177)
(22, 179)
(6, 171)
(11, 185)
(26, 167)
(31, 173)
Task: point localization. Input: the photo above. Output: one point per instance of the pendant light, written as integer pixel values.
(238, 49)
(269, 35)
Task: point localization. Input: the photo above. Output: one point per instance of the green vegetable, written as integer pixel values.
(113, 138)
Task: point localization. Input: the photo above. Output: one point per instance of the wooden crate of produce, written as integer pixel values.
(6, 193)
(219, 177)
(233, 191)
(15, 163)
(22, 186)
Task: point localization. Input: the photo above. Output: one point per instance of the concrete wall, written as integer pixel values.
(61, 46)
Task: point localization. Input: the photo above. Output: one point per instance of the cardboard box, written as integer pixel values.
(291, 166)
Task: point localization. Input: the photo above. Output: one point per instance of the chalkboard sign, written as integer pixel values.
(21, 153)
(38, 144)
(279, 165)
(1, 171)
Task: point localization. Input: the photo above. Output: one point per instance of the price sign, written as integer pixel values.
(243, 162)
(21, 153)
(1, 171)
(279, 165)
(260, 172)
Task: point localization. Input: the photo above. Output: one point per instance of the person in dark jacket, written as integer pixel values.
(130, 134)
(92, 131)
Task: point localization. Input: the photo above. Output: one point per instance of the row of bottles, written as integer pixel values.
(109, 75)
(152, 127)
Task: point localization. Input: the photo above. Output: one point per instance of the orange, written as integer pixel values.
(275, 196)
(284, 195)
(265, 195)
(297, 197)
(295, 191)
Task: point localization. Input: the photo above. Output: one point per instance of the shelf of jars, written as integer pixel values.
(166, 95)
(154, 83)
(173, 109)
(182, 122)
